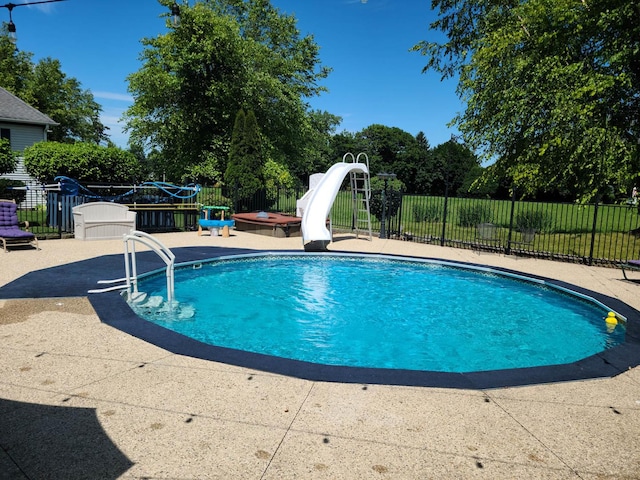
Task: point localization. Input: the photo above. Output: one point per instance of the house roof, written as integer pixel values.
(14, 110)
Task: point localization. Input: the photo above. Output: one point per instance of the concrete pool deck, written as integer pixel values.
(80, 399)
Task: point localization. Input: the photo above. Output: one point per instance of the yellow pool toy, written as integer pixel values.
(611, 318)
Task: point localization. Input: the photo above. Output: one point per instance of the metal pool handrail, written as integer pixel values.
(130, 264)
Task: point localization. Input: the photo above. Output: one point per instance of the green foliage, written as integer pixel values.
(393, 197)
(277, 175)
(213, 197)
(472, 215)
(63, 99)
(276, 178)
(552, 89)
(534, 220)
(81, 161)
(10, 194)
(452, 168)
(318, 154)
(392, 150)
(393, 200)
(222, 57)
(426, 213)
(8, 160)
(244, 175)
(44, 86)
(208, 171)
(15, 68)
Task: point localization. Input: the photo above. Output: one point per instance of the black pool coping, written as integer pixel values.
(75, 279)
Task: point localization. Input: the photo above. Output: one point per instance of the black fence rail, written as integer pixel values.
(590, 234)
(599, 234)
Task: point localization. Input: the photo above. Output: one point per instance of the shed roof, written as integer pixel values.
(14, 110)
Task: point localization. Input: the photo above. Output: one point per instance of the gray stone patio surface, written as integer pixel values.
(80, 399)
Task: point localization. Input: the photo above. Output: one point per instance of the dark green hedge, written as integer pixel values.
(81, 161)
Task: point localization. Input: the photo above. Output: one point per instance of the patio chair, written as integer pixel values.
(632, 265)
(487, 233)
(10, 232)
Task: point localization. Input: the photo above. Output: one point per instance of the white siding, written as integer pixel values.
(35, 193)
(23, 136)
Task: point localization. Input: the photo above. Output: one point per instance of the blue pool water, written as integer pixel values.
(382, 313)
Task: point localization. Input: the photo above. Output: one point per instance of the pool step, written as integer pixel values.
(157, 306)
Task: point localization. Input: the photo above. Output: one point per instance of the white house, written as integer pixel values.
(23, 126)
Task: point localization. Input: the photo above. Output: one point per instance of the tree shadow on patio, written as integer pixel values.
(46, 441)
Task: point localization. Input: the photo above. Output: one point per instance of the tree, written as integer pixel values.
(454, 168)
(392, 150)
(223, 56)
(552, 88)
(423, 165)
(15, 68)
(244, 174)
(62, 99)
(45, 87)
(318, 153)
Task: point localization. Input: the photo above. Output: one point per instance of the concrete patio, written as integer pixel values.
(80, 399)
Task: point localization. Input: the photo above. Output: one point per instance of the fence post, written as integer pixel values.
(593, 231)
(513, 207)
(60, 216)
(399, 217)
(444, 213)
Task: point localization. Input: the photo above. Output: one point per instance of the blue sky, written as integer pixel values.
(375, 78)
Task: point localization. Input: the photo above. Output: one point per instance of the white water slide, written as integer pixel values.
(315, 234)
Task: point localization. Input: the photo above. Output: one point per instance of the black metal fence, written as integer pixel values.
(592, 234)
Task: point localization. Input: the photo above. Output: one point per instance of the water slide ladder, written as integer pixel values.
(360, 196)
(131, 268)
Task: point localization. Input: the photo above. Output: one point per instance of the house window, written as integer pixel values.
(5, 133)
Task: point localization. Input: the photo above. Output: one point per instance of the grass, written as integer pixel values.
(565, 230)
(562, 230)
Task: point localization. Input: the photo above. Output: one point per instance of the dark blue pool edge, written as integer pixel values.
(113, 310)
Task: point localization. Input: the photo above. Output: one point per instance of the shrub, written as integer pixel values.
(8, 160)
(393, 199)
(470, 216)
(81, 161)
(218, 200)
(534, 220)
(426, 213)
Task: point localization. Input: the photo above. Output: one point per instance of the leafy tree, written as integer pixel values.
(552, 88)
(63, 99)
(276, 177)
(15, 67)
(223, 56)
(453, 167)
(244, 174)
(44, 86)
(392, 150)
(423, 166)
(318, 153)
(8, 160)
(340, 144)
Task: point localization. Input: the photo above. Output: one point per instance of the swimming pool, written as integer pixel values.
(380, 312)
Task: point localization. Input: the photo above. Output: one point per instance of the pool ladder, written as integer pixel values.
(131, 267)
(360, 196)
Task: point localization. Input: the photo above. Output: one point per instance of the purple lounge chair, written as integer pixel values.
(10, 233)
